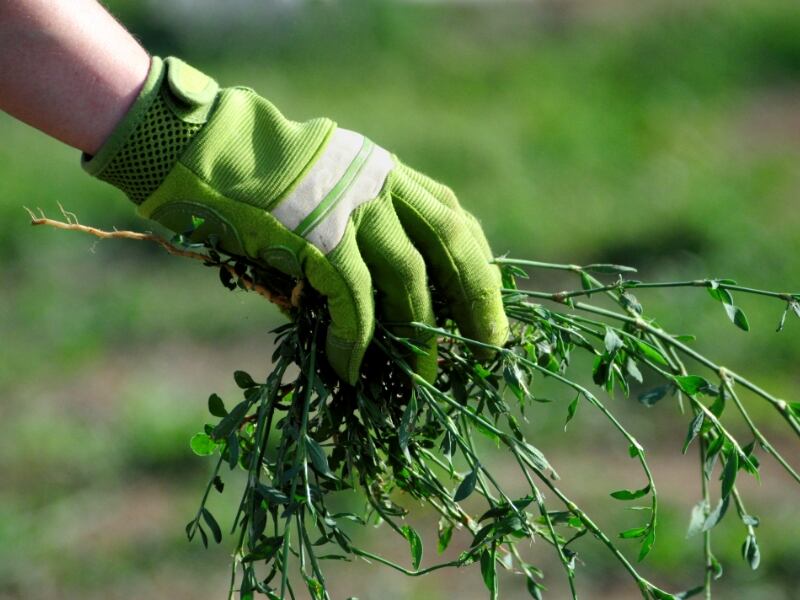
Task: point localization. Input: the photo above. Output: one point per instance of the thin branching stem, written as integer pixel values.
(638, 285)
(396, 567)
(539, 499)
(780, 405)
(589, 524)
(373, 438)
(763, 442)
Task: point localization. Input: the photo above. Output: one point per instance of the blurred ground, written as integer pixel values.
(664, 135)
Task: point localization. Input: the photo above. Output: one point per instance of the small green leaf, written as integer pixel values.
(628, 300)
(445, 535)
(504, 509)
(795, 305)
(571, 410)
(690, 593)
(202, 445)
(587, 282)
(562, 517)
(233, 419)
(729, 473)
(197, 221)
(612, 341)
(243, 380)
(203, 535)
(272, 495)
(718, 293)
(489, 571)
(650, 397)
(685, 337)
(694, 428)
(711, 456)
(661, 594)
(515, 271)
(651, 352)
(190, 529)
(536, 456)
(631, 494)
(697, 519)
(533, 588)
(692, 384)
(415, 543)
(226, 278)
(636, 532)
(718, 406)
(448, 445)
(740, 320)
(467, 485)
(750, 520)
(318, 458)
(717, 514)
(750, 551)
(515, 380)
(601, 370)
(647, 543)
(794, 408)
(212, 525)
(633, 370)
(233, 451)
(407, 422)
(716, 567)
(737, 317)
(216, 406)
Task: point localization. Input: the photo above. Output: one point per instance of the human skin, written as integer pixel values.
(68, 68)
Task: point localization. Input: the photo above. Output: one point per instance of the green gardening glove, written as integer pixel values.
(309, 199)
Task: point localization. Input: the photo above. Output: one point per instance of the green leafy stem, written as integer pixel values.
(303, 438)
(396, 434)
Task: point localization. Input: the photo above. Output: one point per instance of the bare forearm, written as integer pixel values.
(68, 68)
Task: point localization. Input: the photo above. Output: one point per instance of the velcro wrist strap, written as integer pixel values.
(191, 92)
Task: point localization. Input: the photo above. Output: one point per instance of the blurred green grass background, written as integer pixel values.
(665, 135)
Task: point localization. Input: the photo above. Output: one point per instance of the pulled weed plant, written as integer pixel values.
(394, 439)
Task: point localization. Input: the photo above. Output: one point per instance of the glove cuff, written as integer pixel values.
(170, 110)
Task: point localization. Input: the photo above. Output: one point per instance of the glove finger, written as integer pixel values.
(456, 262)
(477, 232)
(446, 196)
(343, 277)
(398, 274)
(438, 190)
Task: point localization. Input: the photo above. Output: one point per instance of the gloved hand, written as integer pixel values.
(309, 199)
